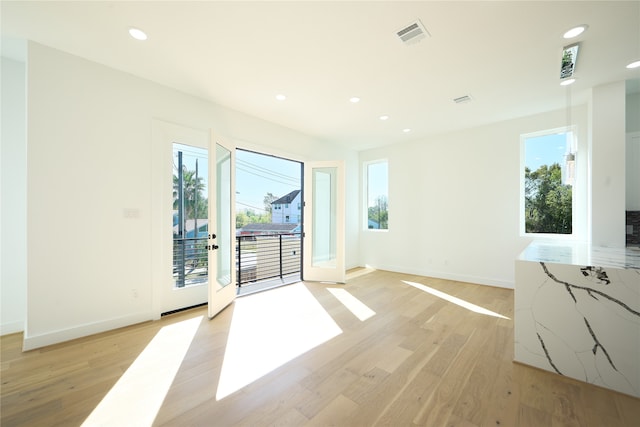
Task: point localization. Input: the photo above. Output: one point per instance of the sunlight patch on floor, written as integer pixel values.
(357, 307)
(358, 272)
(270, 329)
(137, 396)
(454, 300)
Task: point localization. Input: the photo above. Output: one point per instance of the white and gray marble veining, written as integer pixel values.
(580, 253)
(582, 321)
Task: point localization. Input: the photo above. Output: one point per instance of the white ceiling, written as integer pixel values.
(505, 55)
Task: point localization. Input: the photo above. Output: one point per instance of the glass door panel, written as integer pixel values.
(223, 214)
(190, 215)
(324, 215)
(324, 222)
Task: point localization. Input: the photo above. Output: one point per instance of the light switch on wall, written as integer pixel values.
(630, 229)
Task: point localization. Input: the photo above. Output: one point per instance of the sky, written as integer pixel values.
(377, 181)
(545, 150)
(259, 174)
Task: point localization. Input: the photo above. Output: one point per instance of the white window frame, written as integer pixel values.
(576, 183)
(365, 198)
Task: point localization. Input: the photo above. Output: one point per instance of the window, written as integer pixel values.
(190, 215)
(548, 182)
(376, 179)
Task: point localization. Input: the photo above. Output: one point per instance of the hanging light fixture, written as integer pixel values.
(569, 167)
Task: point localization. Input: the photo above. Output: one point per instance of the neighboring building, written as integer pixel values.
(287, 209)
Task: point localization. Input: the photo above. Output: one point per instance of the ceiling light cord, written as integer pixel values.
(569, 122)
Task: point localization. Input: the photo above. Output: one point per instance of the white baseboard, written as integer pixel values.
(55, 337)
(11, 328)
(448, 276)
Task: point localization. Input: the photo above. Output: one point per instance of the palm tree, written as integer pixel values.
(195, 202)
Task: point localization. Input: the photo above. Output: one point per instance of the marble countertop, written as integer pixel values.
(580, 253)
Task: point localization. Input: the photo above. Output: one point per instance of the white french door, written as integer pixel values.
(222, 240)
(187, 270)
(324, 212)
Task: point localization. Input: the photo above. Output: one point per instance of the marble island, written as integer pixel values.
(577, 313)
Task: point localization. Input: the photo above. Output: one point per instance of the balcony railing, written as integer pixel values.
(262, 257)
(258, 258)
(190, 262)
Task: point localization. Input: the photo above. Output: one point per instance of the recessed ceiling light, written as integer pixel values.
(567, 82)
(354, 99)
(137, 34)
(575, 31)
(280, 97)
(406, 130)
(634, 64)
(384, 117)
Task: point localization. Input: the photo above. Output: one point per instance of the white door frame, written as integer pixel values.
(165, 296)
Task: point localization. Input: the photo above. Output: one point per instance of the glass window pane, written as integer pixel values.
(223, 214)
(190, 215)
(324, 217)
(377, 196)
(549, 176)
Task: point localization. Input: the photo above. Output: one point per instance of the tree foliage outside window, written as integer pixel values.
(249, 216)
(195, 200)
(549, 166)
(548, 202)
(377, 177)
(379, 214)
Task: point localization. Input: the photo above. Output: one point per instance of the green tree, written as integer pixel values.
(195, 201)
(268, 199)
(247, 216)
(379, 212)
(547, 204)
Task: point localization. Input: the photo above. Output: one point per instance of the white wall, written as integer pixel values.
(13, 201)
(454, 202)
(90, 161)
(607, 121)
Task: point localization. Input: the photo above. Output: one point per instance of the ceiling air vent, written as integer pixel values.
(413, 33)
(462, 99)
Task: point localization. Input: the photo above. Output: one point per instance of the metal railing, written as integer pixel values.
(258, 257)
(190, 261)
(261, 257)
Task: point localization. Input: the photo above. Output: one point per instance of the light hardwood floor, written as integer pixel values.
(412, 359)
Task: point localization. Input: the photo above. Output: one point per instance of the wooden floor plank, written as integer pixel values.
(420, 360)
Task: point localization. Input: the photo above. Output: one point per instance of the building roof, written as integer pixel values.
(286, 199)
(267, 226)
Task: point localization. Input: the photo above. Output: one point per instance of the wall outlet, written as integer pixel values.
(134, 293)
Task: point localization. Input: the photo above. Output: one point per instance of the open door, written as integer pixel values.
(324, 222)
(222, 241)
